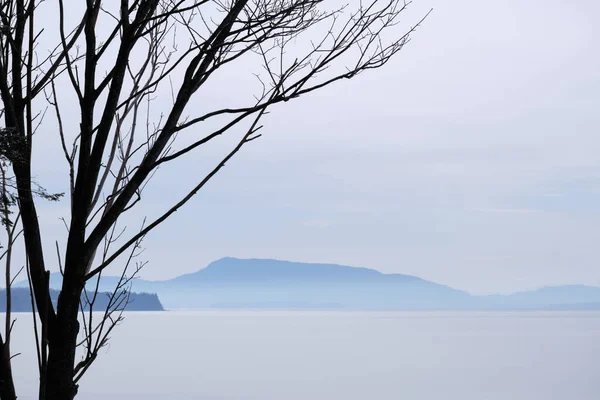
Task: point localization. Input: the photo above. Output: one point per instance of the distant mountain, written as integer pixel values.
(264, 283)
(21, 301)
(553, 297)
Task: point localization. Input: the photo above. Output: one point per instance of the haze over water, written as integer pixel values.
(323, 355)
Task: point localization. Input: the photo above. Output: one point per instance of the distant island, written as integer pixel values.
(21, 300)
(232, 283)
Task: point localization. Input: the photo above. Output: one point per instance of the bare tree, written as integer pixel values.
(108, 62)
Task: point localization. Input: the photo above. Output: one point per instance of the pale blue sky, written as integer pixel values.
(472, 159)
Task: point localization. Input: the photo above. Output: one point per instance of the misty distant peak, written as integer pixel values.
(249, 269)
(239, 283)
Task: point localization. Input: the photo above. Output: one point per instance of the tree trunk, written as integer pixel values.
(59, 383)
(32, 236)
(7, 387)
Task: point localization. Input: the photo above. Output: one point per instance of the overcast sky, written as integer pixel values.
(472, 159)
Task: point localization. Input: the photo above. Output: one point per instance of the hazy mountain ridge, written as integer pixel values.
(565, 296)
(264, 283)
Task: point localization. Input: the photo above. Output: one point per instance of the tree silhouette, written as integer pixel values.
(107, 63)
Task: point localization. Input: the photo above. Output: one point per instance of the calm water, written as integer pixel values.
(278, 355)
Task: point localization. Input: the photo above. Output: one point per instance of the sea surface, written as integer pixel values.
(322, 355)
